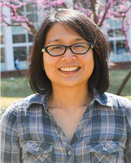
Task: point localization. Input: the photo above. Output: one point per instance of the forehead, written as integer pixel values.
(61, 32)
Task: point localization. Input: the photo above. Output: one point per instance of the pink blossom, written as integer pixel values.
(118, 10)
(1, 4)
(1, 19)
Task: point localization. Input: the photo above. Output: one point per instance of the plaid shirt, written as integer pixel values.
(30, 134)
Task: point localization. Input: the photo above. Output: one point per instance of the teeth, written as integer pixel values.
(69, 68)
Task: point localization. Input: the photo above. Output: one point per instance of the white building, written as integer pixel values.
(16, 41)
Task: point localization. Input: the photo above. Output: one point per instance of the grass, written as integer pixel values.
(13, 89)
(116, 77)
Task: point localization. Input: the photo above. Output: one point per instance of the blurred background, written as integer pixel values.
(20, 20)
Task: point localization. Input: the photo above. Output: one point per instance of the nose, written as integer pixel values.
(68, 56)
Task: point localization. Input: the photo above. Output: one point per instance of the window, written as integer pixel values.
(119, 51)
(121, 47)
(30, 12)
(20, 52)
(32, 17)
(119, 33)
(2, 56)
(110, 33)
(19, 38)
(30, 37)
(115, 33)
(30, 7)
(20, 34)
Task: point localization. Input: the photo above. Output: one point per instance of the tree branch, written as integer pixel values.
(13, 24)
(31, 27)
(104, 16)
(94, 11)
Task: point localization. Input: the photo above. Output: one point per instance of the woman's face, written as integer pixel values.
(69, 69)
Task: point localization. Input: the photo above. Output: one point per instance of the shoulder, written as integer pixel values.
(19, 107)
(29, 100)
(117, 101)
(112, 100)
(121, 106)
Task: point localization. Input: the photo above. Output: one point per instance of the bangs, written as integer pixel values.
(78, 22)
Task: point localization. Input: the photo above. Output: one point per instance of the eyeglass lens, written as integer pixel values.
(79, 48)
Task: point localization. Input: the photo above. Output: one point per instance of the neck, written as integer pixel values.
(70, 98)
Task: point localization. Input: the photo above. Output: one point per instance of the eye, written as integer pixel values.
(58, 47)
(80, 45)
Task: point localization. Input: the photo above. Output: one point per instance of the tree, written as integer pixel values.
(18, 18)
(94, 9)
(100, 11)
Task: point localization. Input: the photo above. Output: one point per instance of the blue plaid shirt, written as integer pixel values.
(30, 134)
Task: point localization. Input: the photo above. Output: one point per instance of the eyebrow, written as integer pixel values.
(59, 40)
(56, 40)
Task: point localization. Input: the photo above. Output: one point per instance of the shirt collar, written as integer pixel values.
(37, 99)
(101, 99)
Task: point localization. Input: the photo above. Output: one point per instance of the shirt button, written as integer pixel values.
(69, 153)
(104, 149)
(37, 149)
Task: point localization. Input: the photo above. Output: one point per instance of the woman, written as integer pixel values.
(71, 118)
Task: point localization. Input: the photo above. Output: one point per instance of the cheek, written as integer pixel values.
(46, 63)
(49, 64)
(47, 69)
(91, 65)
(47, 60)
(88, 60)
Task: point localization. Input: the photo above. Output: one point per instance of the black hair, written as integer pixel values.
(84, 26)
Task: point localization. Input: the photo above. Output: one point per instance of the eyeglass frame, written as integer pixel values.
(45, 49)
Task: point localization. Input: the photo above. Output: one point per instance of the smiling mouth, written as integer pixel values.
(68, 69)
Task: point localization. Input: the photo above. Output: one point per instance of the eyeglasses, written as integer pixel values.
(78, 48)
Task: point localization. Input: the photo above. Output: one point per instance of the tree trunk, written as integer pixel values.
(124, 83)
